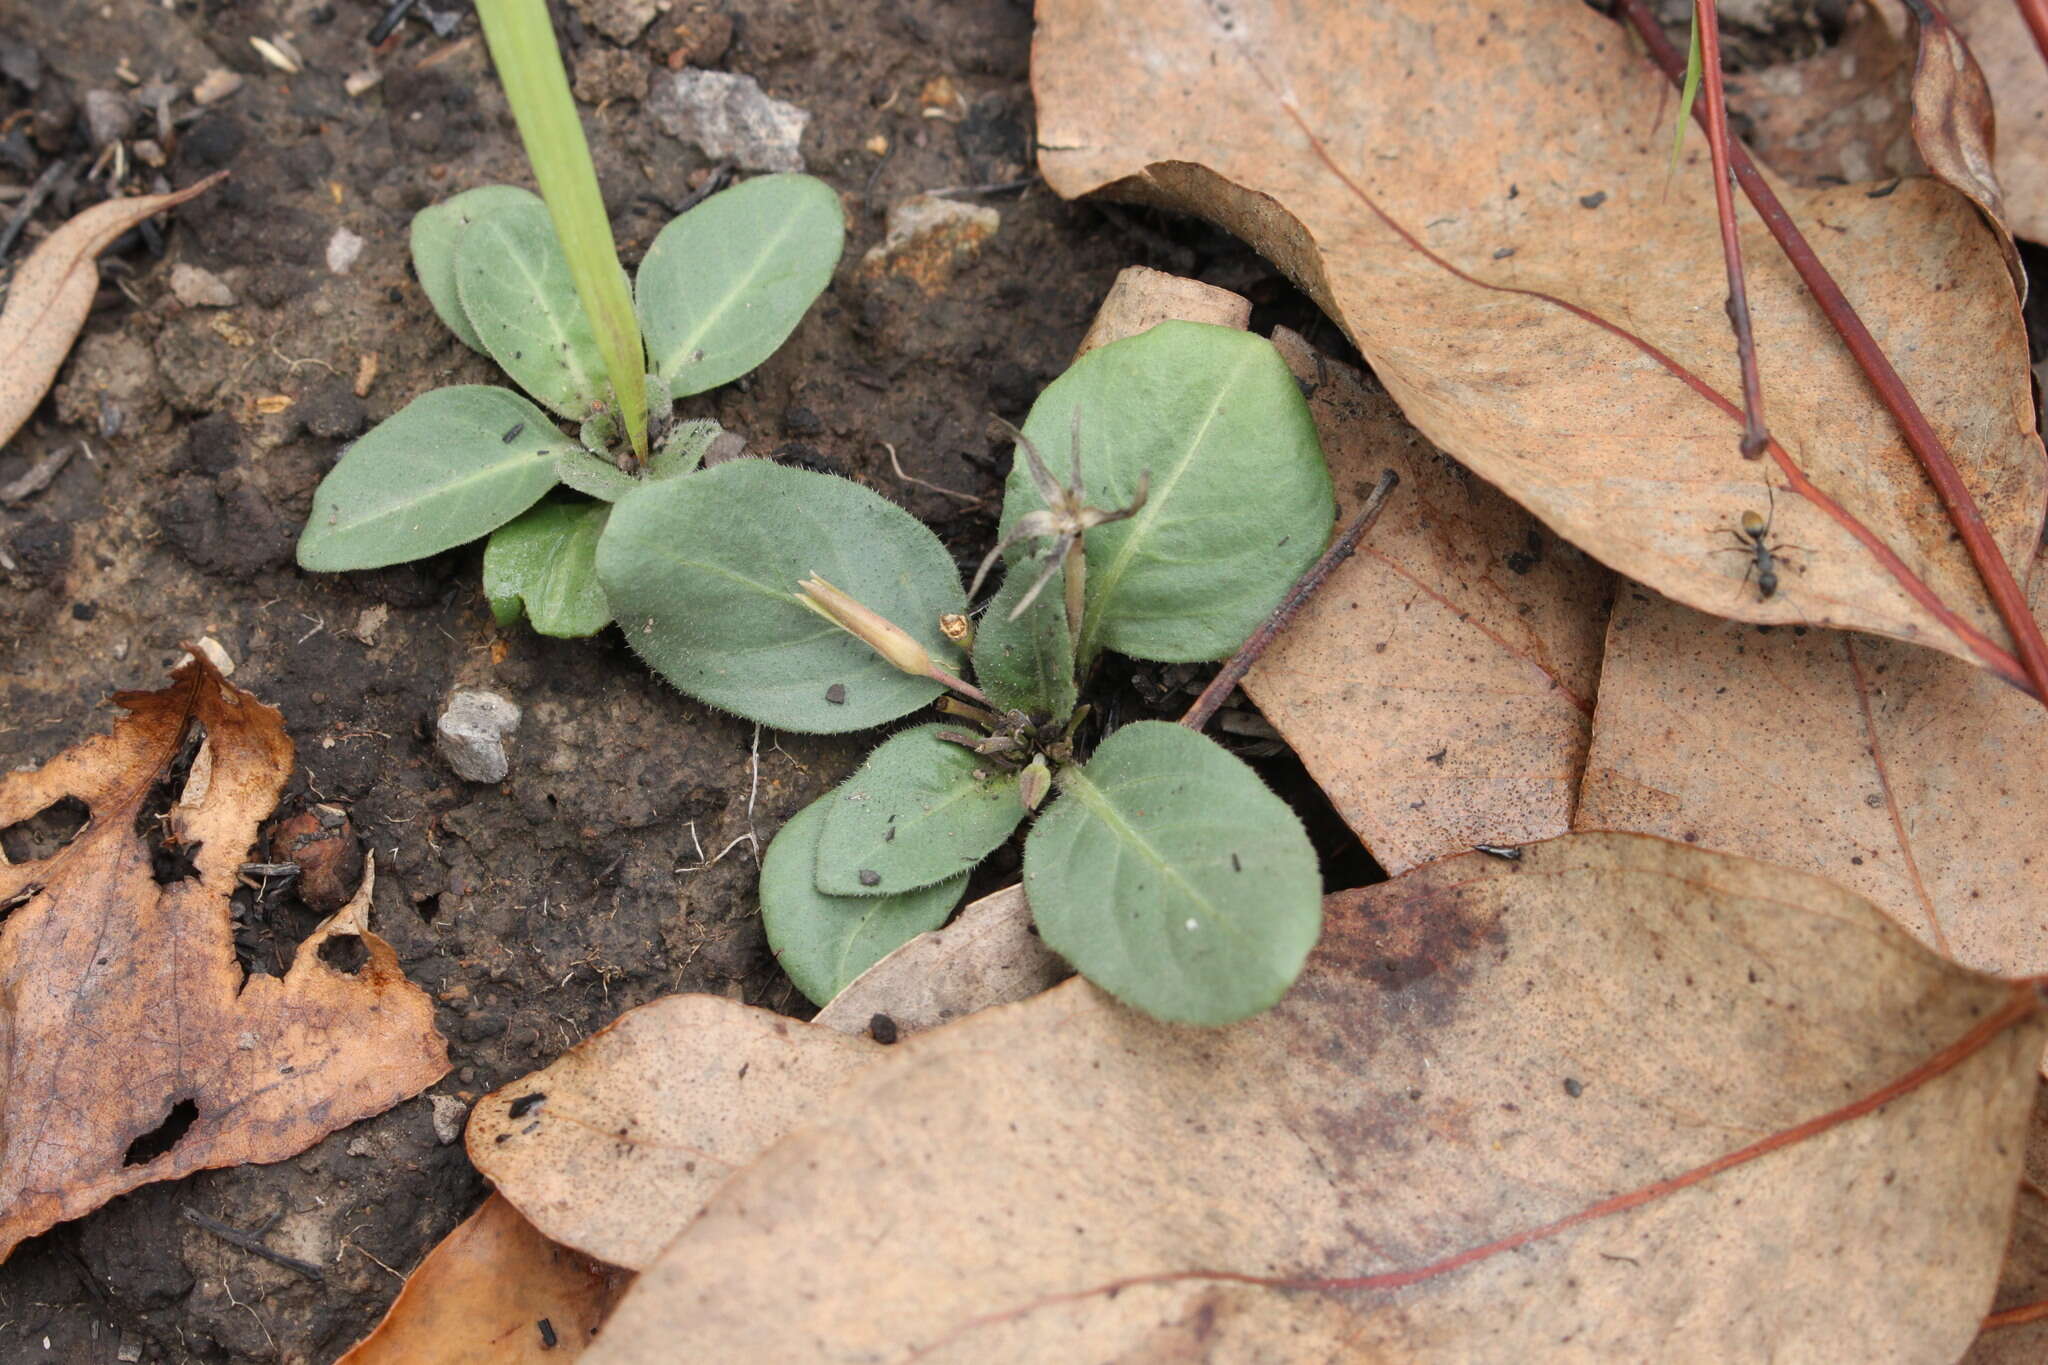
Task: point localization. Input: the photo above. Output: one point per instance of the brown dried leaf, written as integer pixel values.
(52, 293)
(482, 1296)
(122, 1007)
(1485, 216)
(1478, 1048)
(1953, 126)
(2024, 1280)
(1439, 686)
(615, 1146)
(1842, 115)
(1898, 773)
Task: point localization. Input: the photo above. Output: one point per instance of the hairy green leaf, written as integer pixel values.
(600, 478)
(684, 448)
(515, 287)
(435, 230)
(702, 572)
(1171, 877)
(1027, 664)
(451, 465)
(1240, 500)
(920, 810)
(546, 561)
(726, 283)
(823, 941)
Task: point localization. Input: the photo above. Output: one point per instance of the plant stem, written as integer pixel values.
(2035, 12)
(1076, 591)
(1297, 597)
(522, 44)
(1999, 584)
(1707, 25)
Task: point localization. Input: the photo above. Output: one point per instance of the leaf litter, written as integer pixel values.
(137, 1048)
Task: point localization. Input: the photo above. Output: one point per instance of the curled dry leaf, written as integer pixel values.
(494, 1292)
(615, 1146)
(1953, 126)
(1485, 217)
(1479, 1050)
(129, 1026)
(2024, 1280)
(1897, 773)
(1420, 759)
(52, 293)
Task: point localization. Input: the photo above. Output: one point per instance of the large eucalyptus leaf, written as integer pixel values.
(920, 810)
(701, 573)
(545, 561)
(1027, 664)
(1170, 876)
(1239, 503)
(451, 465)
(726, 283)
(436, 229)
(823, 941)
(515, 288)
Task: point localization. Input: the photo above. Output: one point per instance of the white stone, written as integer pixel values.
(342, 249)
(200, 288)
(471, 735)
(730, 117)
(449, 1114)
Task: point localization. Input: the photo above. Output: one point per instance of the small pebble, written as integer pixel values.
(471, 733)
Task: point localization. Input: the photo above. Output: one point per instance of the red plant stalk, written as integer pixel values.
(1999, 584)
(2035, 12)
(1754, 435)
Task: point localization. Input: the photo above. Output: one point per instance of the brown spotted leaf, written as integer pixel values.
(52, 293)
(494, 1292)
(128, 1025)
(1478, 195)
(1478, 1050)
(2022, 1339)
(1898, 773)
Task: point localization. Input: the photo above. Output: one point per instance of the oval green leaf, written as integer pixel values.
(1027, 664)
(600, 478)
(1240, 500)
(516, 291)
(920, 810)
(823, 941)
(726, 283)
(701, 573)
(1170, 876)
(435, 230)
(451, 465)
(545, 561)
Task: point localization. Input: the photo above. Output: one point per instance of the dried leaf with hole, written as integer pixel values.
(52, 292)
(1479, 1050)
(494, 1292)
(1440, 686)
(137, 1048)
(1897, 773)
(615, 1146)
(1485, 217)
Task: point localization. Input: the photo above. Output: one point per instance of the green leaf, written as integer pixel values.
(920, 810)
(451, 465)
(515, 287)
(823, 941)
(702, 573)
(684, 448)
(1695, 67)
(435, 230)
(726, 283)
(546, 560)
(600, 478)
(1027, 664)
(1240, 501)
(1171, 877)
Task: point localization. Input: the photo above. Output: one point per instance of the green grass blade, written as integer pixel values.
(1689, 92)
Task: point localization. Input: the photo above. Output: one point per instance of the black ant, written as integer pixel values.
(1753, 539)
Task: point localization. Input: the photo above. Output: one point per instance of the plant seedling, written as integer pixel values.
(534, 283)
(1159, 864)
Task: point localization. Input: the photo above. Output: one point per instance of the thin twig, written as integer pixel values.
(968, 498)
(2035, 12)
(251, 1243)
(32, 201)
(1297, 597)
(1754, 436)
(2013, 1317)
(1999, 584)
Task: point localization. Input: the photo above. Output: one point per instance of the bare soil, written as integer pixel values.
(616, 863)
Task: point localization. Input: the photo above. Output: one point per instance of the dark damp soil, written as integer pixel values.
(615, 863)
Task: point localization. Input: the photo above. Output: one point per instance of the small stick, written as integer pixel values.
(249, 1242)
(1297, 597)
(30, 202)
(2035, 12)
(2013, 1317)
(1755, 438)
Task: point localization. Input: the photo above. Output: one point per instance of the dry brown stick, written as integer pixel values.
(1755, 437)
(251, 1243)
(1297, 597)
(2035, 12)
